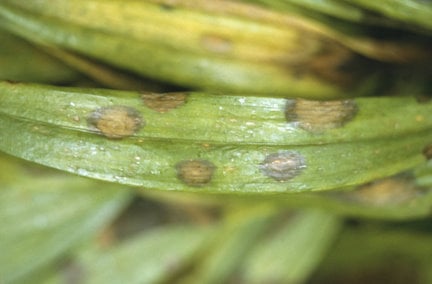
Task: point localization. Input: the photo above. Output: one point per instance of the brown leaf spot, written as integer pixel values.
(195, 172)
(427, 152)
(318, 116)
(116, 121)
(164, 102)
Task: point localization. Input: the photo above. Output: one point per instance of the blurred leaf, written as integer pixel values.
(413, 12)
(315, 9)
(231, 243)
(367, 247)
(151, 257)
(355, 24)
(15, 55)
(292, 252)
(222, 47)
(43, 217)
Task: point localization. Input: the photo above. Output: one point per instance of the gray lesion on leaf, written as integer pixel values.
(195, 172)
(318, 116)
(283, 166)
(116, 121)
(164, 102)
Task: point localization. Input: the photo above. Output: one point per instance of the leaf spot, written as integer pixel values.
(318, 116)
(164, 102)
(116, 121)
(283, 166)
(195, 172)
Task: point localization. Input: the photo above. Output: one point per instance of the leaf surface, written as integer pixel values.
(242, 139)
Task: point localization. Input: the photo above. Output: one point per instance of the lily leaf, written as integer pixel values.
(15, 55)
(223, 47)
(214, 144)
(237, 234)
(151, 257)
(291, 254)
(41, 218)
(412, 12)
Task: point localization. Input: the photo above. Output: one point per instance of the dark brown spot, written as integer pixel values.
(164, 102)
(195, 172)
(318, 116)
(283, 166)
(216, 43)
(427, 152)
(116, 121)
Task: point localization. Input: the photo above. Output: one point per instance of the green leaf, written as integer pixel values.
(367, 247)
(291, 254)
(413, 12)
(391, 31)
(231, 243)
(151, 257)
(15, 55)
(214, 143)
(41, 218)
(229, 50)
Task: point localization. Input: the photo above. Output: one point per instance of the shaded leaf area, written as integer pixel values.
(44, 216)
(379, 253)
(217, 51)
(412, 12)
(15, 55)
(390, 31)
(80, 131)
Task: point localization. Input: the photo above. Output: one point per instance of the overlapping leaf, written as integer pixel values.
(229, 49)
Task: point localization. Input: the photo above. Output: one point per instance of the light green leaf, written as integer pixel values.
(235, 143)
(151, 257)
(231, 243)
(291, 254)
(43, 217)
